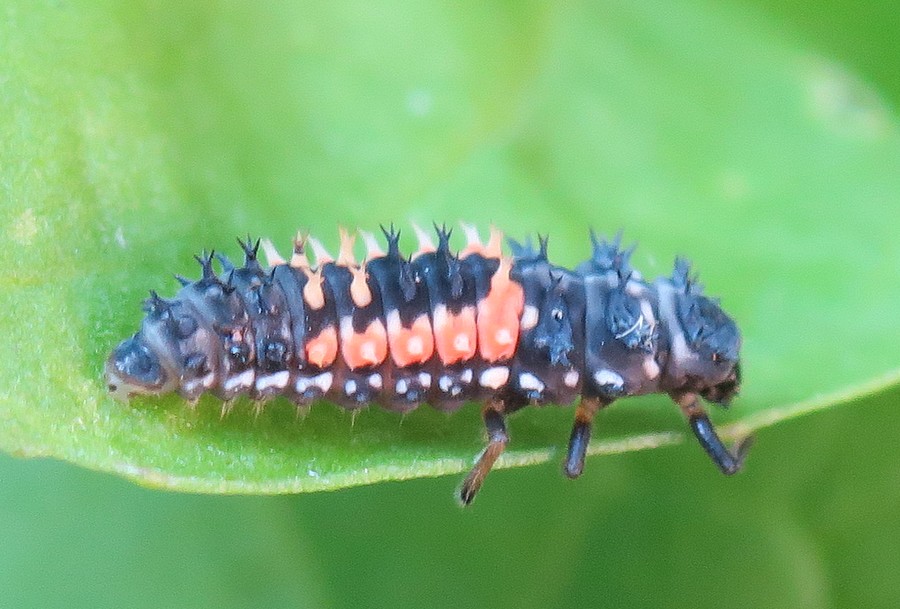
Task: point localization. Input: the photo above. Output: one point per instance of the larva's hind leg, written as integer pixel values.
(581, 435)
(729, 461)
(493, 415)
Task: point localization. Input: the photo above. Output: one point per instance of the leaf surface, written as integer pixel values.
(135, 135)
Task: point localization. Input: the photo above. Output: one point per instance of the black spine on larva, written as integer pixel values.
(404, 299)
(623, 355)
(356, 388)
(547, 367)
(291, 282)
(451, 285)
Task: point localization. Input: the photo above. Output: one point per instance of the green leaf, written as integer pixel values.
(137, 134)
(811, 523)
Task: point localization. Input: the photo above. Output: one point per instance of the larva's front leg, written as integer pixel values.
(729, 461)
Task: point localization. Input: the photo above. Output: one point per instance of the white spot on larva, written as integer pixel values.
(393, 322)
(455, 390)
(633, 288)
(647, 312)
(208, 380)
(530, 382)
(367, 352)
(419, 102)
(651, 368)
(302, 384)
(350, 387)
(494, 378)
(278, 380)
(323, 381)
(425, 380)
(190, 386)
(402, 386)
(466, 376)
(571, 378)
(445, 383)
(679, 350)
(375, 381)
(530, 317)
(462, 343)
(415, 346)
(244, 379)
(608, 378)
(503, 337)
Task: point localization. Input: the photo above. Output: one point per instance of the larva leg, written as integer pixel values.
(581, 435)
(729, 462)
(492, 413)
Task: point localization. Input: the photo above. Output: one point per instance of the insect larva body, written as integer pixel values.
(441, 328)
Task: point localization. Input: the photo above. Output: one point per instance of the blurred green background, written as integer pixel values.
(759, 138)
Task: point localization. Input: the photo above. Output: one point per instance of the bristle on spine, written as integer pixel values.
(494, 248)
(319, 251)
(345, 253)
(473, 240)
(273, 258)
(373, 250)
(298, 257)
(426, 245)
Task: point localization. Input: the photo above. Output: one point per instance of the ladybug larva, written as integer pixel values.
(443, 328)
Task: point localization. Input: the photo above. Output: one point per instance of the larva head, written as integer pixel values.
(133, 368)
(144, 364)
(713, 370)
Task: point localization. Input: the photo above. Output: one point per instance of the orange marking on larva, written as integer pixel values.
(493, 247)
(345, 253)
(498, 316)
(359, 289)
(455, 336)
(360, 349)
(298, 258)
(413, 345)
(313, 295)
(322, 350)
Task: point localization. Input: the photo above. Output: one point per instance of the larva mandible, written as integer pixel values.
(443, 328)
